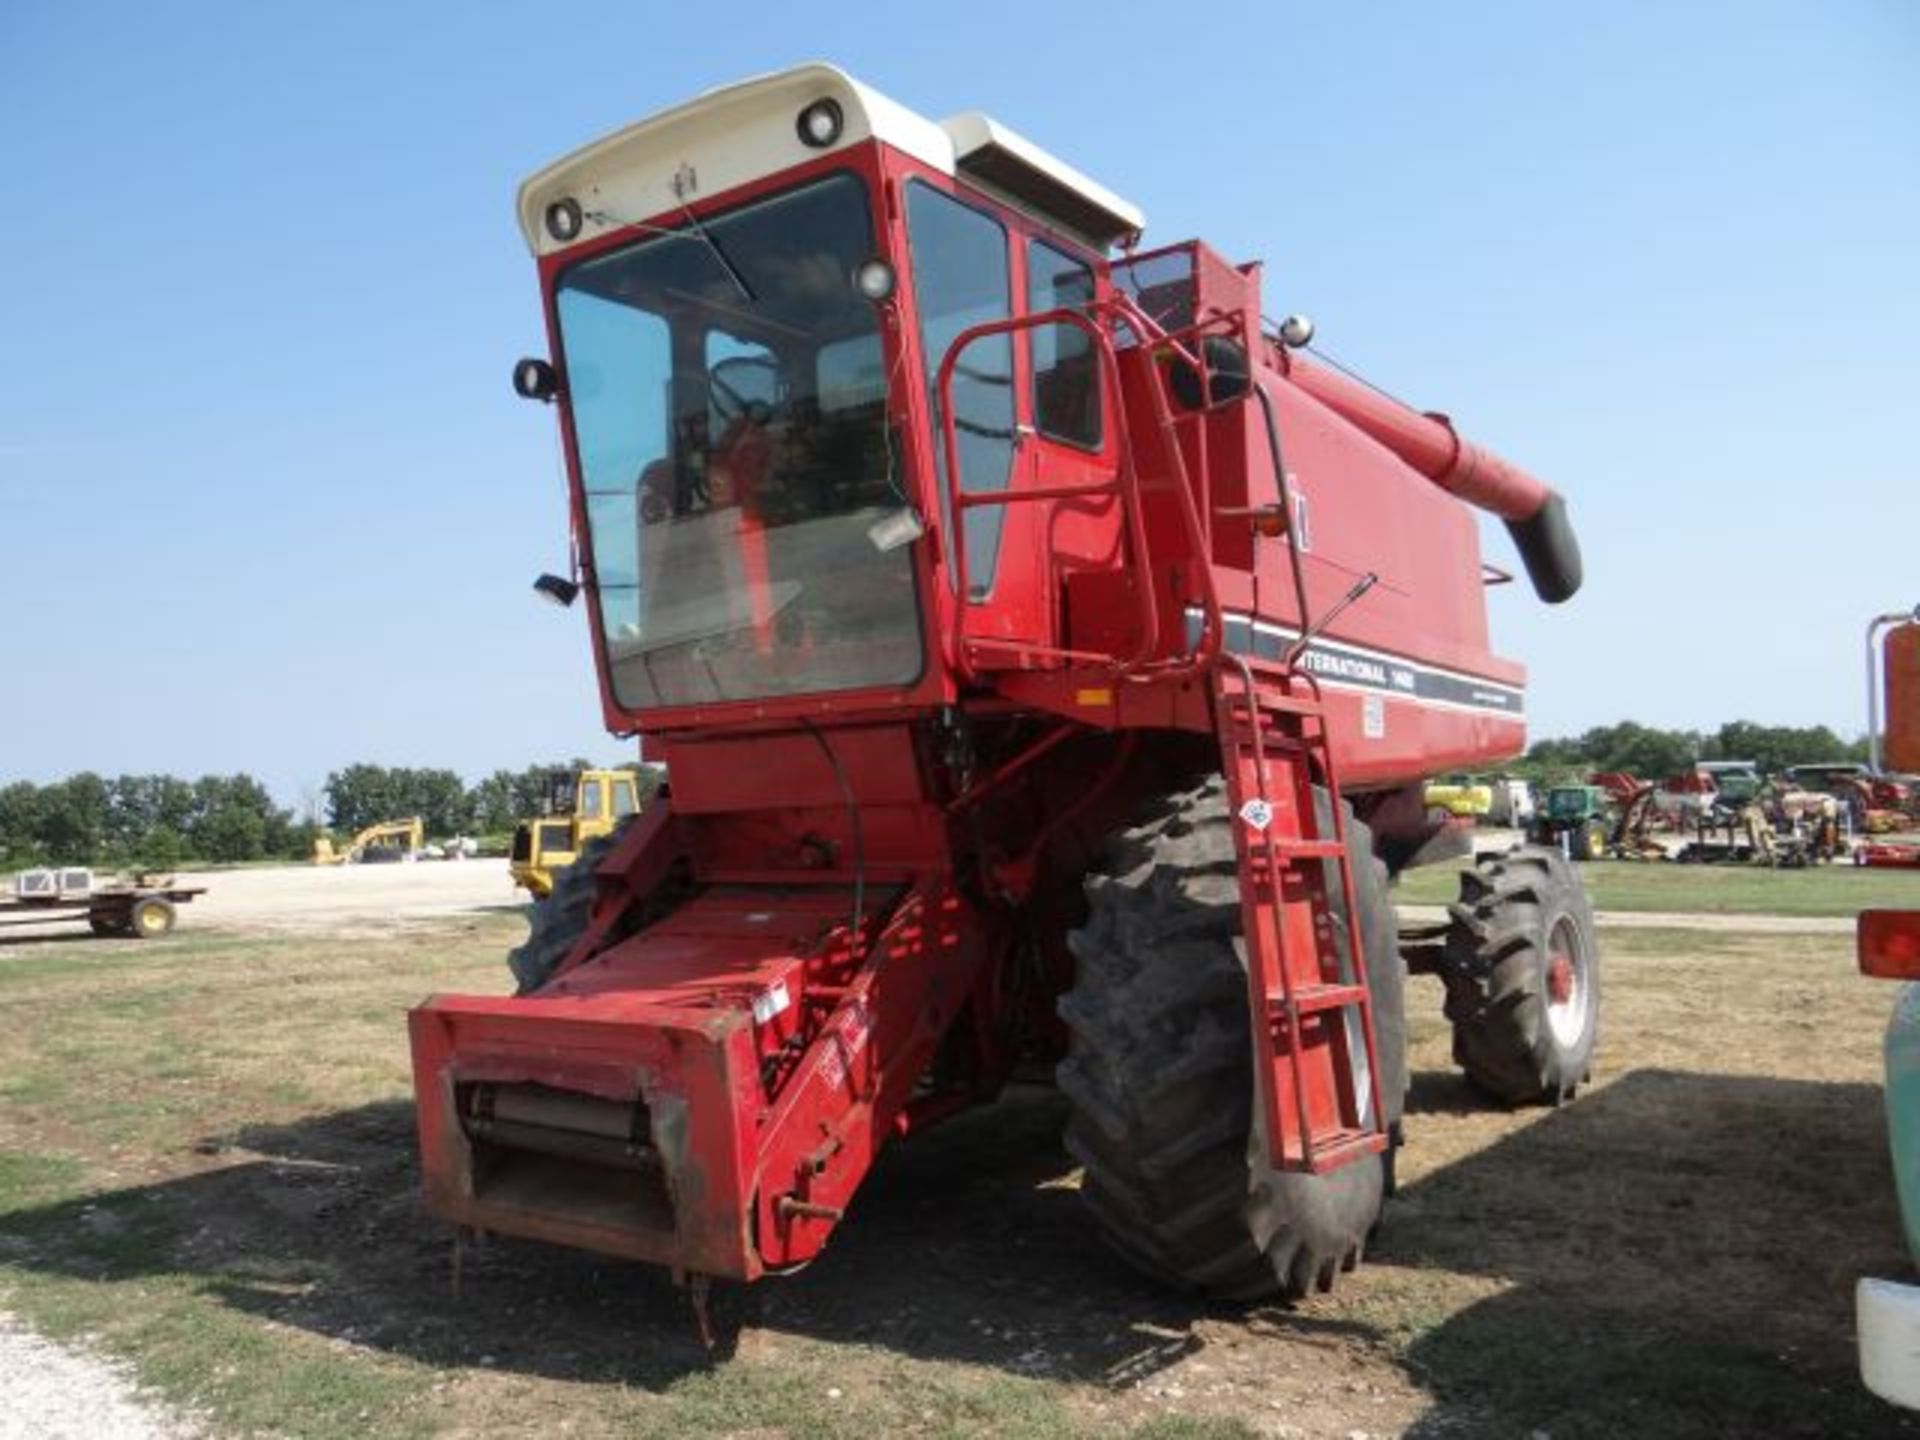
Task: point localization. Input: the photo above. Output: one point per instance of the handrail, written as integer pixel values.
(1125, 484)
(1212, 624)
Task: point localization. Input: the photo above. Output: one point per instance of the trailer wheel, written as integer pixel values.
(1159, 1069)
(1522, 974)
(150, 917)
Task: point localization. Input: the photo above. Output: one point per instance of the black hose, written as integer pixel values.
(853, 822)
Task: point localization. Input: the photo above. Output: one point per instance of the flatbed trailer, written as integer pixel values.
(137, 911)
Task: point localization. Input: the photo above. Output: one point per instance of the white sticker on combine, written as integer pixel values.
(1373, 717)
(770, 1002)
(844, 1042)
(1257, 813)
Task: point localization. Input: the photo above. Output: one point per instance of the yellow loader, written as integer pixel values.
(580, 808)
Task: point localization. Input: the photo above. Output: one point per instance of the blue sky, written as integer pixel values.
(268, 503)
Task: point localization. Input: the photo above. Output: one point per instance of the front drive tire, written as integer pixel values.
(560, 917)
(1522, 973)
(1159, 1070)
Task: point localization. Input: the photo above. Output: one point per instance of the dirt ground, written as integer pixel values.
(307, 898)
(315, 899)
(206, 1166)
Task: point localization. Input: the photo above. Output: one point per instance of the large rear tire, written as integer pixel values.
(1160, 1078)
(1523, 977)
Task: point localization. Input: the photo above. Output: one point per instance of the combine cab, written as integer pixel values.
(1048, 657)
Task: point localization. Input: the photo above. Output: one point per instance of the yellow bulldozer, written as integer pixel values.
(580, 807)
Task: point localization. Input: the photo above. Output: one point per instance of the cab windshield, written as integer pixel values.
(729, 406)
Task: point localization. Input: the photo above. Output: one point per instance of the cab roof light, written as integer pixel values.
(1889, 943)
(564, 219)
(820, 123)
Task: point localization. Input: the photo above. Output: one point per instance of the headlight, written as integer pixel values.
(875, 280)
(535, 380)
(564, 219)
(820, 124)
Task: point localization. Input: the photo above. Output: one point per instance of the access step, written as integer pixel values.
(1312, 999)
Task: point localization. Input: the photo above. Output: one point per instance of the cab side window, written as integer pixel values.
(1066, 371)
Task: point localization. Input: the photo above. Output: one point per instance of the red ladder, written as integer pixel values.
(1312, 1015)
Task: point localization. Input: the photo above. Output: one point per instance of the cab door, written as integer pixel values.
(1027, 413)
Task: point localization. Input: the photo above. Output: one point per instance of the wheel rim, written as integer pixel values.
(1569, 988)
(152, 921)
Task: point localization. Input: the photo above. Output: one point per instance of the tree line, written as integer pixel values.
(1653, 754)
(159, 822)
(363, 795)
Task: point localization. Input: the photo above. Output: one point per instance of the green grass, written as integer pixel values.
(206, 1170)
(1830, 890)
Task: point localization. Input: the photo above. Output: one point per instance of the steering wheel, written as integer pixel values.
(730, 404)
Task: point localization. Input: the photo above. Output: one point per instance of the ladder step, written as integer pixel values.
(1289, 849)
(1275, 709)
(1278, 704)
(1311, 999)
(1343, 1147)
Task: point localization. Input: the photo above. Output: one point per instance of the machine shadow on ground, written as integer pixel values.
(1674, 1252)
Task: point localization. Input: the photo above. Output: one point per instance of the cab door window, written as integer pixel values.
(1066, 371)
(961, 278)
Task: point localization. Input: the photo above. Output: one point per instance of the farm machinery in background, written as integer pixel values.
(1573, 818)
(581, 806)
(392, 842)
(1048, 656)
(388, 842)
(142, 907)
(1460, 797)
(1732, 814)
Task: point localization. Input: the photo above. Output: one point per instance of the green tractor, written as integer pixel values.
(1578, 812)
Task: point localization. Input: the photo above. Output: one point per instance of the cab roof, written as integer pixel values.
(748, 130)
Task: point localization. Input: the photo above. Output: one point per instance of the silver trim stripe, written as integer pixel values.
(1339, 665)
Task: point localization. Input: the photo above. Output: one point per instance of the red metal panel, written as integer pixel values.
(1901, 745)
(688, 1069)
(718, 773)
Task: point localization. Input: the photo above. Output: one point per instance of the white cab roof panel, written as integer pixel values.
(1005, 160)
(746, 131)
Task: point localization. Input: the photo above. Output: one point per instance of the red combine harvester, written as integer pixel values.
(1047, 658)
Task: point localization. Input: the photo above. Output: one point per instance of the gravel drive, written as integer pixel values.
(54, 1392)
(1736, 924)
